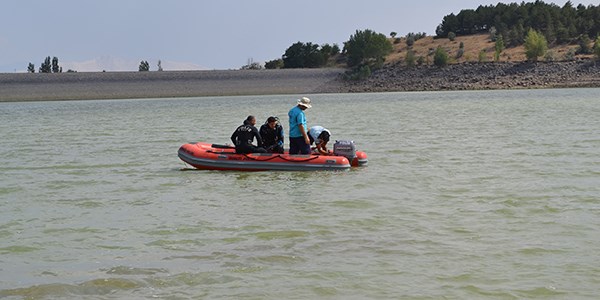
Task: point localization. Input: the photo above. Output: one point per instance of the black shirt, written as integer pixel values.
(245, 134)
(270, 136)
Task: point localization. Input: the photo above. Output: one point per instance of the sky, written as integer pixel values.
(115, 35)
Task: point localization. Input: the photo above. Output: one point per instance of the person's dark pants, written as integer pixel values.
(275, 149)
(243, 149)
(299, 146)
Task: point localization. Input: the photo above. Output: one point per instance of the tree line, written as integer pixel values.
(560, 25)
(48, 66)
(362, 53)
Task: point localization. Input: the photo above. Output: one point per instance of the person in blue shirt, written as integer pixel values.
(272, 135)
(299, 141)
(320, 136)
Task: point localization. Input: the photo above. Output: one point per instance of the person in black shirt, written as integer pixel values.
(272, 135)
(243, 136)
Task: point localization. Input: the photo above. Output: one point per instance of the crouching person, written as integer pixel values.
(320, 136)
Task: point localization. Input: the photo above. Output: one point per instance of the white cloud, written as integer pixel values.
(109, 63)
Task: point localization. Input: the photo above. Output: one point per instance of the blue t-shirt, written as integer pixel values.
(297, 117)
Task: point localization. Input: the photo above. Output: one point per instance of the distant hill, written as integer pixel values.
(473, 45)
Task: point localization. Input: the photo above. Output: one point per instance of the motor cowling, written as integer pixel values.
(345, 148)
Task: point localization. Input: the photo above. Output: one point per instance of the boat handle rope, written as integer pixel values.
(284, 158)
(267, 159)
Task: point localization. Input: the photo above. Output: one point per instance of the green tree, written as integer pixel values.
(144, 66)
(31, 68)
(516, 35)
(410, 40)
(557, 24)
(499, 47)
(335, 49)
(393, 34)
(293, 56)
(449, 23)
(535, 45)
(274, 64)
(329, 50)
(304, 55)
(597, 48)
(440, 57)
(46, 66)
(584, 45)
(367, 48)
(55, 67)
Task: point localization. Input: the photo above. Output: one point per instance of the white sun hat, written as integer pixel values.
(304, 101)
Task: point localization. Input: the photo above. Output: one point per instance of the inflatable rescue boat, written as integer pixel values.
(206, 156)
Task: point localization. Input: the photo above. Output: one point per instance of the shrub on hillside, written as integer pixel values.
(410, 59)
(360, 73)
(440, 57)
(499, 47)
(584, 45)
(597, 48)
(482, 56)
(461, 50)
(493, 34)
(412, 37)
(451, 36)
(535, 45)
(570, 55)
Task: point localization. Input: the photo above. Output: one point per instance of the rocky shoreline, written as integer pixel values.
(391, 78)
(480, 76)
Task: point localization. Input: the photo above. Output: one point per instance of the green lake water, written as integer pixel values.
(467, 195)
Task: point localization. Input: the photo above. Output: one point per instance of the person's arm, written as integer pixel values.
(304, 134)
(322, 149)
(280, 135)
(263, 132)
(233, 137)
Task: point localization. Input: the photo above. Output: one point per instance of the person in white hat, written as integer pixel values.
(299, 141)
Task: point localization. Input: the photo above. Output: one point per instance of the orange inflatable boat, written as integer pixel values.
(207, 156)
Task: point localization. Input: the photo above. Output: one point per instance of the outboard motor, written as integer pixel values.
(346, 149)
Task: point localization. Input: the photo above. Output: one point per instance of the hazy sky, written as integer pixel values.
(219, 34)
